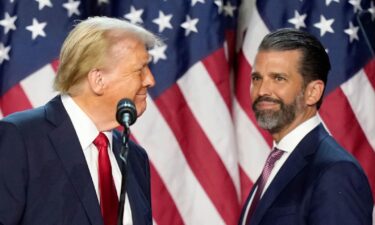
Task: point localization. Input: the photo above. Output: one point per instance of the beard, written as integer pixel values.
(275, 120)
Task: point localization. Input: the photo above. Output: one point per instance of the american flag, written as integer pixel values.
(203, 142)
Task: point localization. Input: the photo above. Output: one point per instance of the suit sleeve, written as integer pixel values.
(142, 173)
(148, 184)
(146, 170)
(342, 196)
(13, 174)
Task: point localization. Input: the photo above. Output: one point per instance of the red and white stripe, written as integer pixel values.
(33, 91)
(189, 135)
(181, 188)
(253, 147)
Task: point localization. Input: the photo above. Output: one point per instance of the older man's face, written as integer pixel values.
(129, 76)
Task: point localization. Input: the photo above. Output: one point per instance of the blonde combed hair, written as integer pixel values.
(87, 47)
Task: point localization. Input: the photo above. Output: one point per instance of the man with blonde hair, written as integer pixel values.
(58, 162)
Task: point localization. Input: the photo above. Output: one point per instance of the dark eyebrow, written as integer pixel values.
(279, 74)
(255, 73)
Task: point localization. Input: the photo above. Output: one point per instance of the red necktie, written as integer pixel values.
(108, 195)
(270, 163)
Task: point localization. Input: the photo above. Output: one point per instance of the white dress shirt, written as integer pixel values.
(87, 132)
(290, 142)
(286, 144)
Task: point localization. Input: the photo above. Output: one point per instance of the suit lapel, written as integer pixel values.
(284, 176)
(246, 204)
(294, 164)
(67, 146)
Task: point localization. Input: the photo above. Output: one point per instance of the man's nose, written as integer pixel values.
(265, 88)
(149, 80)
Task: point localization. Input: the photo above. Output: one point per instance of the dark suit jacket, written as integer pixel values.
(44, 177)
(319, 184)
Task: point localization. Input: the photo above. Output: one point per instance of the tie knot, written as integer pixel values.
(274, 156)
(101, 141)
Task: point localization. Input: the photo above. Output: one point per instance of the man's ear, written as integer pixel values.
(96, 83)
(313, 92)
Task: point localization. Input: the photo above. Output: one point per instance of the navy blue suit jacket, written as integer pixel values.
(319, 184)
(44, 177)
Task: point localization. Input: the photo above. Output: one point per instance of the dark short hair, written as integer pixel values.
(314, 64)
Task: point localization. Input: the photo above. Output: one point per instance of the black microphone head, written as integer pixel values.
(126, 112)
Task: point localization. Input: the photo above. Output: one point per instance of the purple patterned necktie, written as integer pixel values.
(270, 163)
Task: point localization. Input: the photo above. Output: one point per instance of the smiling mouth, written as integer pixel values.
(142, 95)
(264, 105)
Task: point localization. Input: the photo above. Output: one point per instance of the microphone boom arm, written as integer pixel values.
(126, 115)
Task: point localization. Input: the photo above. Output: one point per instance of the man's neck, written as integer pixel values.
(300, 118)
(96, 113)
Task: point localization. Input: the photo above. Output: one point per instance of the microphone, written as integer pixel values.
(126, 113)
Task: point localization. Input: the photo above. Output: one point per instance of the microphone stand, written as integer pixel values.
(124, 157)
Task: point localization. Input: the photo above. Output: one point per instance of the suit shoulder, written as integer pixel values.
(24, 118)
(332, 160)
(330, 151)
(340, 168)
(138, 150)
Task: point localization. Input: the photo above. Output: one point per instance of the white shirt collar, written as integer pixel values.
(83, 125)
(291, 140)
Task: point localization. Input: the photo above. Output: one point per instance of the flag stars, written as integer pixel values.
(193, 2)
(4, 53)
(8, 23)
(72, 7)
(328, 2)
(356, 4)
(157, 53)
(324, 25)
(229, 9)
(190, 25)
(352, 31)
(37, 29)
(163, 21)
(43, 3)
(134, 16)
(298, 20)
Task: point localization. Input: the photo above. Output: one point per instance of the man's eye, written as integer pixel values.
(255, 78)
(279, 78)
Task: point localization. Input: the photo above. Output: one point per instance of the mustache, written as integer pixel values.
(266, 99)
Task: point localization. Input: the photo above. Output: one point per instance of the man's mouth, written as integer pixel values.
(264, 105)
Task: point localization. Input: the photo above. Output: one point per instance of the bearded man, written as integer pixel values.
(308, 178)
